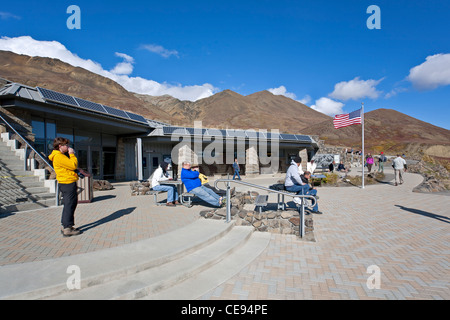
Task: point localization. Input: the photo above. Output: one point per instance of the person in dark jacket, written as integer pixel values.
(236, 169)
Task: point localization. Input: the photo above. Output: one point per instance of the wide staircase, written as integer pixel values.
(183, 264)
(20, 189)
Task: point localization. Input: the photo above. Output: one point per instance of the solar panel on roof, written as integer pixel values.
(273, 136)
(194, 131)
(285, 136)
(303, 138)
(216, 132)
(90, 105)
(57, 97)
(136, 117)
(116, 112)
(252, 134)
(174, 130)
(236, 133)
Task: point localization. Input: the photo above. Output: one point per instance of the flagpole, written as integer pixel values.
(363, 153)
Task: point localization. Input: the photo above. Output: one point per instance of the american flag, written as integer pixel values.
(348, 119)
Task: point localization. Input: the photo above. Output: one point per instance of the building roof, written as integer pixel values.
(161, 129)
(44, 95)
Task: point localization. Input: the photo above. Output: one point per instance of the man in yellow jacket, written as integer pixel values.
(65, 163)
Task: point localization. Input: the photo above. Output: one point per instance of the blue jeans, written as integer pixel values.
(236, 172)
(172, 193)
(304, 190)
(207, 195)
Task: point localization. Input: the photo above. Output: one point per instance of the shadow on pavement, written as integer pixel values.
(425, 213)
(113, 216)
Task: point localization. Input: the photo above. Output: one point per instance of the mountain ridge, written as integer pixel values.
(385, 129)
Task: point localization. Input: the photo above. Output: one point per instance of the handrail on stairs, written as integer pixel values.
(301, 207)
(28, 145)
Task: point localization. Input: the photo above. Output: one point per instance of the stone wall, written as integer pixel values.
(244, 213)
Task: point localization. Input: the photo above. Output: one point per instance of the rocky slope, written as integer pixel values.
(385, 130)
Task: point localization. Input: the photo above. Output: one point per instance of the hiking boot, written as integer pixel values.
(68, 232)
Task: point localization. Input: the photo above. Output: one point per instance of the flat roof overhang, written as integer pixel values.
(208, 139)
(82, 119)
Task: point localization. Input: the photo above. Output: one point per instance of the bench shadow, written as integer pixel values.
(425, 214)
(104, 197)
(113, 216)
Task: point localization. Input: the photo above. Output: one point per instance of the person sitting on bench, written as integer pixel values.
(294, 183)
(193, 185)
(160, 175)
(205, 182)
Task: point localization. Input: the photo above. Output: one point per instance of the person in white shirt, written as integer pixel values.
(311, 166)
(399, 165)
(160, 175)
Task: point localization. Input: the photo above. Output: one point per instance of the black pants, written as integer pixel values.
(70, 202)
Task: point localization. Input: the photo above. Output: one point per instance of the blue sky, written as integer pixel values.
(319, 52)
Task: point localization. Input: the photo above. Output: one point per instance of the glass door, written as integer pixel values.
(89, 159)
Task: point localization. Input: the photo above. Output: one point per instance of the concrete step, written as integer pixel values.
(198, 285)
(7, 158)
(19, 179)
(48, 278)
(26, 206)
(11, 165)
(157, 279)
(31, 183)
(16, 189)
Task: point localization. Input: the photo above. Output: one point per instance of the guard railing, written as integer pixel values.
(29, 146)
(301, 207)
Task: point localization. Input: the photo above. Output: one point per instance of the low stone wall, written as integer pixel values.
(281, 222)
(140, 188)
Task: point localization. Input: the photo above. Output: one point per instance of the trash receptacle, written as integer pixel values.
(85, 188)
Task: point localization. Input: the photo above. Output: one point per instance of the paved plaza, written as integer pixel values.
(396, 239)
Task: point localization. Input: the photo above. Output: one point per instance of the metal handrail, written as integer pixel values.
(28, 144)
(301, 208)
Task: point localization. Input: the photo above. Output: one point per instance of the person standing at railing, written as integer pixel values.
(65, 163)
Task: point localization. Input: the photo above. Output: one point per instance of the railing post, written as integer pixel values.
(228, 200)
(57, 194)
(25, 165)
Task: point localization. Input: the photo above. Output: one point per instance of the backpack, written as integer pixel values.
(277, 187)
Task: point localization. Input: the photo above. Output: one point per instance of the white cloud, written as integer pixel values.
(328, 106)
(434, 72)
(125, 67)
(8, 15)
(282, 91)
(163, 52)
(307, 99)
(120, 73)
(356, 89)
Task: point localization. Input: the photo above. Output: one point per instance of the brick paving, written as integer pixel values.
(113, 219)
(405, 234)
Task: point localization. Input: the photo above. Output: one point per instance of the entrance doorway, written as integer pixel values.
(89, 159)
